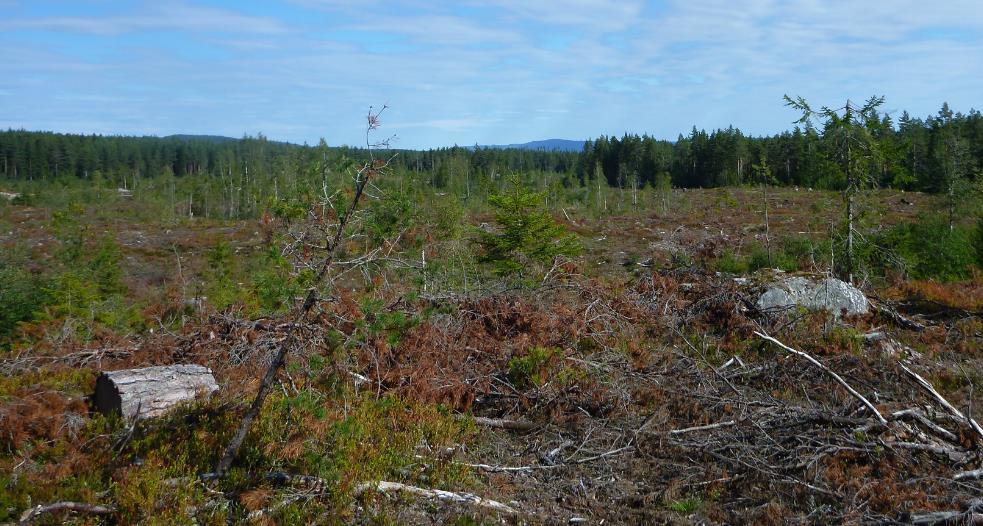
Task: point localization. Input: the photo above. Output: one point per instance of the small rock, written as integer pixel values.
(874, 336)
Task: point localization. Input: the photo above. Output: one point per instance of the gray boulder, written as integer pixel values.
(828, 294)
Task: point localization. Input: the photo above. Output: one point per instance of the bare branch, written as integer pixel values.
(945, 403)
(464, 498)
(78, 507)
(828, 371)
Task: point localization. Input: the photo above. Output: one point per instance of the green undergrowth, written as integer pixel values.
(150, 473)
(929, 249)
(789, 254)
(924, 248)
(75, 286)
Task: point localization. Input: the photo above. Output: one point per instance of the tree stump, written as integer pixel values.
(149, 392)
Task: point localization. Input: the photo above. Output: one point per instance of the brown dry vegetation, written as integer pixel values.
(619, 348)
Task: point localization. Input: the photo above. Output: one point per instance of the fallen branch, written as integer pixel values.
(603, 455)
(976, 474)
(828, 371)
(78, 507)
(920, 417)
(945, 403)
(507, 469)
(464, 498)
(732, 361)
(948, 452)
(947, 517)
(973, 515)
(702, 428)
(898, 319)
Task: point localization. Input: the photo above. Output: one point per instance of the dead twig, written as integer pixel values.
(368, 170)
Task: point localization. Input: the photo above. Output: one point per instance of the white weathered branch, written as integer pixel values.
(464, 498)
(976, 474)
(920, 417)
(828, 371)
(78, 507)
(945, 403)
(702, 428)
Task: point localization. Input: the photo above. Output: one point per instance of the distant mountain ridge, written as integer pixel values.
(549, 145)
(193, 137)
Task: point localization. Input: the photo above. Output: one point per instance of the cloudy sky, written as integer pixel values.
(470, 71)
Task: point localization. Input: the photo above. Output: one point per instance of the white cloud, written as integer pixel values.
(450, 124)
(482, 71)
(176, 17)
(587, 15)
(441, 29)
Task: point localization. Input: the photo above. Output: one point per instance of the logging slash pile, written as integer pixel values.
(674, 396)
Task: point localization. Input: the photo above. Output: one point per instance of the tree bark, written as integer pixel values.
(151, 391)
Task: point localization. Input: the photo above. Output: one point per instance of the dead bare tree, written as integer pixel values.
(333, 234)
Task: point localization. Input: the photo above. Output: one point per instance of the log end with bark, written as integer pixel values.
(149, 392)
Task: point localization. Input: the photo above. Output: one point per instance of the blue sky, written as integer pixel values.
(471, 71)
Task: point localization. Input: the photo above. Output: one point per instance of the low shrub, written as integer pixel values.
(21, 295)
(928, 249)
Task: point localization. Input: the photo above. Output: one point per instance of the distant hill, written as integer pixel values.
(218, 139)
(209, 138)
(549, 145)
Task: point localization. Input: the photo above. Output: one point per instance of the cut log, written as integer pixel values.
(151, 391)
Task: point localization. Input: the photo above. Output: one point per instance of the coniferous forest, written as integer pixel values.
(912, 155)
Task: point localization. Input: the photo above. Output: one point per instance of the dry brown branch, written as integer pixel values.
(828, 371)
(464, 498)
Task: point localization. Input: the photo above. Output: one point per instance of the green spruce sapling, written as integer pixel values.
(526, 236)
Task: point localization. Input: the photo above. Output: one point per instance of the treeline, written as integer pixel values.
(41, 156)
(913, 154)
